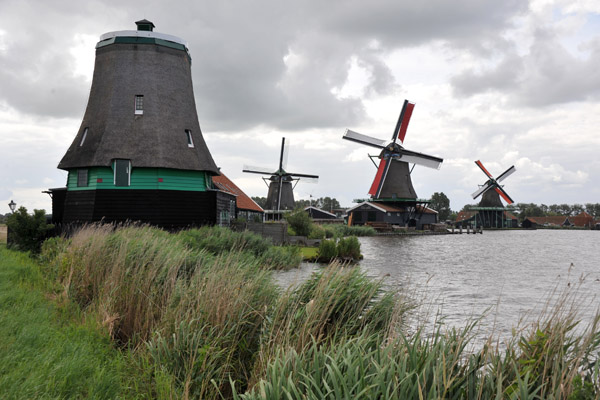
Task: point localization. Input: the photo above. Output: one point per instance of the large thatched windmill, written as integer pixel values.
(392, 184)
(139, 153)
(281, 184)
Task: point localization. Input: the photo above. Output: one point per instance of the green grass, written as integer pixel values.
(3, 234)
(188, 321)
(43, 352)
(309, 253)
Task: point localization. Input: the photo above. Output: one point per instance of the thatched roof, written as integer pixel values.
(157, 138)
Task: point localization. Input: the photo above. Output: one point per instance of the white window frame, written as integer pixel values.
(138, 110)
(190, 139)
(85, 132)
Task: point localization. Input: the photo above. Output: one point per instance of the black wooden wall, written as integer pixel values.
(170, 209)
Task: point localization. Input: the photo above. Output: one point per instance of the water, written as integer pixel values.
(506, 273)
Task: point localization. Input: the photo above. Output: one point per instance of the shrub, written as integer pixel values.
(218, 240)
(330, 231)
(349, 247)
(281, 257)
(300, 222)
(327, 250)
(316, 232)
(355, 230)
(27, 232)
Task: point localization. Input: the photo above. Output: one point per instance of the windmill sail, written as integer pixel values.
(492, 183)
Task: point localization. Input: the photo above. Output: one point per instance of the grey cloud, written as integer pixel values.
(238, 50)
(548, 74)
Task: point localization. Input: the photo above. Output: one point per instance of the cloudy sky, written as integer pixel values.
(506, 82)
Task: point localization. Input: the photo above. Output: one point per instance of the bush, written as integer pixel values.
(300, 222)
(349, 247)
(219, 240)
(28, 232)
(316, 232)
(281, 257)
(327, 250)
(355, 230)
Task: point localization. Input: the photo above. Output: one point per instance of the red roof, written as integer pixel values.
(583, 220)
(558, 220)
(465, 215)
(242, 201)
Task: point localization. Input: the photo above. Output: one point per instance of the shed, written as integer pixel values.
(246, 208)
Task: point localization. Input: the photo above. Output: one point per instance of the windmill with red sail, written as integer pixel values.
(392, 183)
(490, 212)
(392, 180)
(492, 190)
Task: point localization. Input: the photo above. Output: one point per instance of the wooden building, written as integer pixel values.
(582, 220)
(487, 217)
(371, 212)
(318, 214)
(139, 154)
(245, 207)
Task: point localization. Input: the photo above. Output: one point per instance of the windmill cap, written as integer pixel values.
(145, 30)
(144, 25)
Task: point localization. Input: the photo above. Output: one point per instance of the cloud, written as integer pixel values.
(547, 73)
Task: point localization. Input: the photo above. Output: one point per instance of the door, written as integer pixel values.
(122, 172)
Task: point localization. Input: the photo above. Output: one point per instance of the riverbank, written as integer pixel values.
(45, 350)
(192, 324)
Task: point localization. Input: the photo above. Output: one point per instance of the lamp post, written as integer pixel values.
(12, 206)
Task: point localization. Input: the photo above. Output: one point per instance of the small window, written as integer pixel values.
(190, 141)
(357, 216)
(82, 177)
(139, 104)
(85, 131)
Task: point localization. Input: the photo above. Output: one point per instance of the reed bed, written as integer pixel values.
(201, 314)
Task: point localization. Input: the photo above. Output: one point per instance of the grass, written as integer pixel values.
(3, 233)
(192, 321)
(43, 351)
(309, 253)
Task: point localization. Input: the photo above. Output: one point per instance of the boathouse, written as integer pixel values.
(480, 217)
(382, 213)
(139, 154)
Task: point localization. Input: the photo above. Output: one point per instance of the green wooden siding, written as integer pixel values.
(143, 178)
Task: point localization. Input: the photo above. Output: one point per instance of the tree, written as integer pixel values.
(468, 207)
(441, 204)
(300, 222)
(328, 203)
(261, 201)
(27, 232)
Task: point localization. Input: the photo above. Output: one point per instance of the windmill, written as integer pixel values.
(491, 213)
(491, 198)
(281, 190)
(392, 180)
